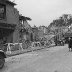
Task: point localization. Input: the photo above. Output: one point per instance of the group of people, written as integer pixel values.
(70, 43)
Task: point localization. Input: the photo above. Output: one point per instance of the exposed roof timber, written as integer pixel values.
(24, 18)
(28, 18)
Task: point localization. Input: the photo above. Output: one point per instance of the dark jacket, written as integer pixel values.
(70, 43)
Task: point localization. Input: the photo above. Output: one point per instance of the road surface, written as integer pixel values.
(55, 59)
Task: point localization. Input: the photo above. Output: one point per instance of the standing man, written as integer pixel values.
(55, 40)
(70, 43)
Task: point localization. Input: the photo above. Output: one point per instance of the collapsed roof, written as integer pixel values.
(24, 18)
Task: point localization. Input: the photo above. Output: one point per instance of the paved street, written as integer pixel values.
(55, 59)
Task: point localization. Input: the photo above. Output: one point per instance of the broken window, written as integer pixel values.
(2, 11)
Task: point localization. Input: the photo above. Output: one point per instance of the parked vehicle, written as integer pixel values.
(2, 58)
(67, 35)
(60, 42)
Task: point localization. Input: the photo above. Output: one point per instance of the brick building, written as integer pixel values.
(9, 22)
(42, 31)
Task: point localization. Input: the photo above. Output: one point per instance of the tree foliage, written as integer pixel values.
(64, 20)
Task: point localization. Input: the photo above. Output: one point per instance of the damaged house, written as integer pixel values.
(9, 22)
(14, 27)
(25, 31)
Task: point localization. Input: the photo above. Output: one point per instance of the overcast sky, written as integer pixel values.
(42, 12)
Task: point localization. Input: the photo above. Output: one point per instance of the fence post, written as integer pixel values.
(8, 48)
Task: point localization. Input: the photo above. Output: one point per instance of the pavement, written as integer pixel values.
(55, 59)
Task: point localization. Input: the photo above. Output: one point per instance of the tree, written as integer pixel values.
(64, 20)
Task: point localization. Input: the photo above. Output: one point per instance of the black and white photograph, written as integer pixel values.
(35, 35)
